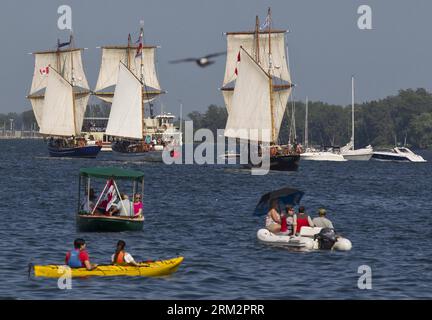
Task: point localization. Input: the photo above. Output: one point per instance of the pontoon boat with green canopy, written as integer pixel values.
(94, 216)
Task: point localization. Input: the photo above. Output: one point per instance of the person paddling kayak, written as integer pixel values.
(121, 257)
(79, 257)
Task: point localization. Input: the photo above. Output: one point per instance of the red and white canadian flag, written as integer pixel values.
(44, 71)
(238, 60)
(111, 194)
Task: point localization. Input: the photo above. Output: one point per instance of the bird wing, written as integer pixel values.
(184, 60)
(212, 55)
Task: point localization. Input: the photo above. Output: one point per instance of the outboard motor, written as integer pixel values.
(326, 238)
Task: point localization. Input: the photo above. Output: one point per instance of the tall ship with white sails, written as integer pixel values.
(128, 80)
(256, 88)
(59, 94)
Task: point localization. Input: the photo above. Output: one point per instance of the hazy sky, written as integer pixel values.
(325, 44)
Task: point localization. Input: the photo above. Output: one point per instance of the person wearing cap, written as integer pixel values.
(322, 221)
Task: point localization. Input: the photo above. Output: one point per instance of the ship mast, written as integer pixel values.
(73, 83)
(273, 131)
(352, 112)
(306, 138)
(257, 54)
(128, 59)
(143, 93)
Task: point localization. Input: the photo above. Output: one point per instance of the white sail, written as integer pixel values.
(51, 61)
(74, 61)
(248, 42)
(125, 118)
(250, 108)
(113, 56)
(41, 70)
(37, 105)
(58, 113)
(81, 100)
(228, 95)
(108, 73)
(150, 78)
(280, 99)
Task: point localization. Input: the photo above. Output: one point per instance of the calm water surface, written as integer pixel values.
(205, 214)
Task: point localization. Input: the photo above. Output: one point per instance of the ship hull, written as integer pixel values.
(76, 152)
(148, 156)
(281, 163)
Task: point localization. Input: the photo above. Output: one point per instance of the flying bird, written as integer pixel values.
(203, 61)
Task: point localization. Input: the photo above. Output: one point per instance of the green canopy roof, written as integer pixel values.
(110, 172)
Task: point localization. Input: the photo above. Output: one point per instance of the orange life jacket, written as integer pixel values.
(120, 258)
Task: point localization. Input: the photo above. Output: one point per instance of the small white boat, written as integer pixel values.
(309, 239)
(363, 154)
(321, 156)
(313, 154)
(400, 154)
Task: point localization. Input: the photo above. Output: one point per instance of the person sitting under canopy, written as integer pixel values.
(273, 220)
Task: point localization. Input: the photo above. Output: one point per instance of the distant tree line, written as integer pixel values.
(381, 123)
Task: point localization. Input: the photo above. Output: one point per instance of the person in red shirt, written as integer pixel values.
(79, 258)
(303, 219)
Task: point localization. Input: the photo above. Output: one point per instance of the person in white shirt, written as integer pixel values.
(123, 207)
(121, 257)
(88, 204)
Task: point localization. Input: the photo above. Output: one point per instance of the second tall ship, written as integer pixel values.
(256, 88)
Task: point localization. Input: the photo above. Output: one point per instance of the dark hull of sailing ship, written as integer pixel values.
(134, 151)
(280, 163)
(88, 151)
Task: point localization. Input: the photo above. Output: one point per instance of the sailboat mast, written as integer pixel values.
(257, 53)
(73, 83)
(273, 131)
(306, 140)
(128, 59)
(352, 112)
(142, 78)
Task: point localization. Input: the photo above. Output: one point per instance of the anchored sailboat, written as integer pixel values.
(128, 80)
(59, 94)
(348, 151)
(256, 88)
(311, 153)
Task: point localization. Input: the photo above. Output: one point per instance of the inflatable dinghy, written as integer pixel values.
(309, 239)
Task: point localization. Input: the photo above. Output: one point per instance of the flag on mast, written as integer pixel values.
(63, 44)
(140, 46)
(111, 194)
(238, 60)
(266, 23)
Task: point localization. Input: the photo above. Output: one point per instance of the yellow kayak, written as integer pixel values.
(145, 269)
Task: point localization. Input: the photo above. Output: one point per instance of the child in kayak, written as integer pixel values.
(121, 257)
(79, 258)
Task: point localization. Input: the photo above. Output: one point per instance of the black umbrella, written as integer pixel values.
(284, 197)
